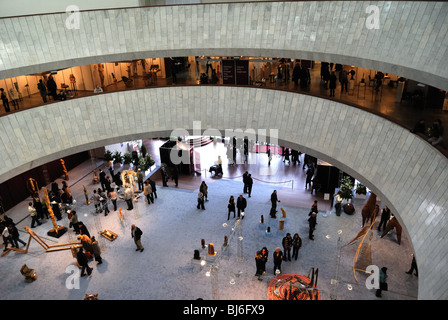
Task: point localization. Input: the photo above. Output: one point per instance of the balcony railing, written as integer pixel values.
(405, 112)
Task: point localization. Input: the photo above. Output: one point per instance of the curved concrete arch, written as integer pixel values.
(401, 167)
(410, 41)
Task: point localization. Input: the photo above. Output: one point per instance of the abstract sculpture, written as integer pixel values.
(391, 224)
(367, 211)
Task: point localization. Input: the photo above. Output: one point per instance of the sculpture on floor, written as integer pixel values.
(29, 274)
(294, 287)
(393, 224)
(368, 210)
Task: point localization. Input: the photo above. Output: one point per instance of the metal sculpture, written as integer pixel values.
(295, 287)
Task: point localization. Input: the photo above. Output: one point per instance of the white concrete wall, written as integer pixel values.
(411, 40)
(401, 168)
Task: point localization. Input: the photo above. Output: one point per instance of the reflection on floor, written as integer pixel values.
(173, 228)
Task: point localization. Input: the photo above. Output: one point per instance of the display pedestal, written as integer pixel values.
(57, 233)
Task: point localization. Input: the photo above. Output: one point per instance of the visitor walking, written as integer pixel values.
(312, 224)
(33, 214)
(413, 266)
(147, 192)
(296, 245)
(287, 245)
(153, 188)
(250, 182)
(96, 201)
(274, 199)
(136, 234)
(83, 229)
(96, 250)
(204, 189)
(200, 201)
(258, 264)
(263, 259)
(128, 197)
(385, 216)
(278, 258)
(113, 197)
(231, 207)
(241, 204)
(7, 237)
(15, 236)
(74, 221)
(140, 179)
(383, 282)
(4, 100)
(245, 175)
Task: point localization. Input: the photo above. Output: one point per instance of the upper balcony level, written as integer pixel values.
(404, 102)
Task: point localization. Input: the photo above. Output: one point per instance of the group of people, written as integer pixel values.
(10, 233)
(289, 243)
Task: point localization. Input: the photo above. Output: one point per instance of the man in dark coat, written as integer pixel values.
(278, 258)
(312, 224)
(154, 189)
(83, 262)
(287, 245)
(274, 199)
(136, 233)
(241, 204)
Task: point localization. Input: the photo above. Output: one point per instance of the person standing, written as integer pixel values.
(385, 216)
(258, 264)
(274, 199)
(74, 221)
(309, 175)
(104, 204)
(7, 237)
(269, 156)
(83, 262)
(338, 204)
(154, 189)
(136, 234)
(52, 87)
(83, 229)
(250, 182)
(42, 90)
(15, 237)
(278, 258)
(113, 197)
(102, 176)
(33, 214)
(164, 177)
(312, 224)
(204, 189)
(332, 84)
(245, 175)
(5, 100)
(296, 245)
(128, 197)
(96, 201)
(140, 179)
(147, 192)
(264, 259)
(96, 250)
(231, 207)
(383, 282)
(241, 204)
(200, 201)
(287, 245)
(413, 266)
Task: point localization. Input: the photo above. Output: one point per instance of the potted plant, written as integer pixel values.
(146, 162)
(108, 156)
(117, 157)
(361, 191)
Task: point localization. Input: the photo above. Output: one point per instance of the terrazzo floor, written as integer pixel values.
(173, 228)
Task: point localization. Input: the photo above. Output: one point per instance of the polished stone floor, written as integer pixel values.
(173, 228)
